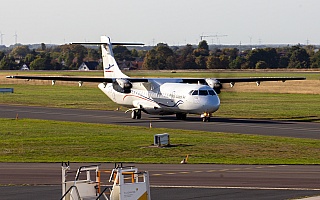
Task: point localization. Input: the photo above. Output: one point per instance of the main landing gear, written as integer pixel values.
(136, 114)
(206, 117)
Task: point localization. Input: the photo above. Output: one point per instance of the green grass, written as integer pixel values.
(58, 96)
(50, 141)
(303, 107)
(27, 140)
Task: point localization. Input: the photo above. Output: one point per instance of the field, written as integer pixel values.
(47, 141)
(26, 140)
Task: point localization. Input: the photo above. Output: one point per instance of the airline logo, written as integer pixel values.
(107, 69)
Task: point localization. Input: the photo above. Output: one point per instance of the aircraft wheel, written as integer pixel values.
(133, 115)
(183, 116)
(139, 114)
(179, 116)
(206, 119)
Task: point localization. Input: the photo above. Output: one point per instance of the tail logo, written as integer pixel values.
(107, 69)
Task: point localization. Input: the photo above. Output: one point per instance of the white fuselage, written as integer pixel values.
(167, 98)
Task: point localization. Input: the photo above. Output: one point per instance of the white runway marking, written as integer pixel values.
(243, 188)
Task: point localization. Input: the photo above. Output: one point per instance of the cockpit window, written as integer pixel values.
(211, 92)
(194, 92)
(203, 92)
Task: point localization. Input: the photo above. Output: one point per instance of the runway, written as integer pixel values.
(174, 181)
(177, 181)
(243, 126)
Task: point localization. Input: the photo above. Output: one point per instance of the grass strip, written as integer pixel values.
(27, 140)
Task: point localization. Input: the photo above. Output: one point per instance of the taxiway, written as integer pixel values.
(173, 181)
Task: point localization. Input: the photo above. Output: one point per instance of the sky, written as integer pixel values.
(175, 22)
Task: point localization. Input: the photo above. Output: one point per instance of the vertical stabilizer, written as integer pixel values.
(110, 66)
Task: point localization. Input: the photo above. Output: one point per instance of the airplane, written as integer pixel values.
(156, 96)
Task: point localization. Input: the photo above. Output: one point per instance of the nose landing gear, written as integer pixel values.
(136, 114)
(206, 117)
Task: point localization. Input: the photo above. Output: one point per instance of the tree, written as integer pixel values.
(221, 62)
(315, 60)
(7, 63)
(2, 54)
(271, 58)
(29, 58)
(42, 61)
(134, 53)
(213, 62)
(150, 61)
(38, 64)
(185, 51)
(299, 58)
(20, 51)
(43, 46)
(237, 63)
(201, 62)
(231, 52)
(160, 57)
(122, 53)
(203, 45)
(261, 65)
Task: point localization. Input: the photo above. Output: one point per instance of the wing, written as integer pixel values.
(235, 80)
(215, 83)
(258, 79)
(76, 79)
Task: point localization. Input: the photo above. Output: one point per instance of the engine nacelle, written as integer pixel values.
(214, 84)
(122, 85)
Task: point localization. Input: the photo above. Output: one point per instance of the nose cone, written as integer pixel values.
(212, 104)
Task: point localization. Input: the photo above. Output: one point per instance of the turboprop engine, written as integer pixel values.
(214, 84)
(122, 85)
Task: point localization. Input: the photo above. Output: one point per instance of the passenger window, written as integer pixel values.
(203, 92)
(211, 92)
(195, 92)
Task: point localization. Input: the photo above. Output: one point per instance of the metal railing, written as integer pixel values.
(70, 188)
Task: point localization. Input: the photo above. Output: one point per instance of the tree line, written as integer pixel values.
(163, 57)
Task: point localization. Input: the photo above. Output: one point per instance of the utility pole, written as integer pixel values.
(1, 35)
(15, 38)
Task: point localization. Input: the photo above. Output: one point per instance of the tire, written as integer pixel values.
(133, 115)
(138, 114)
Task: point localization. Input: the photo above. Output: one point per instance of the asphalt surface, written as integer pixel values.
(173, 181)
(244, 126)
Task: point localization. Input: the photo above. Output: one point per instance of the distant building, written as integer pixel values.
(86, 66)
(24, 67)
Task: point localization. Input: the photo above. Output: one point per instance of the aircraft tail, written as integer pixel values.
(110, 66)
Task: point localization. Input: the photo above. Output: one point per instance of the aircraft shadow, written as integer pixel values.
(220, 119)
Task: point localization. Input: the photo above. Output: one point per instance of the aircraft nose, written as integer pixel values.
(213, 104)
